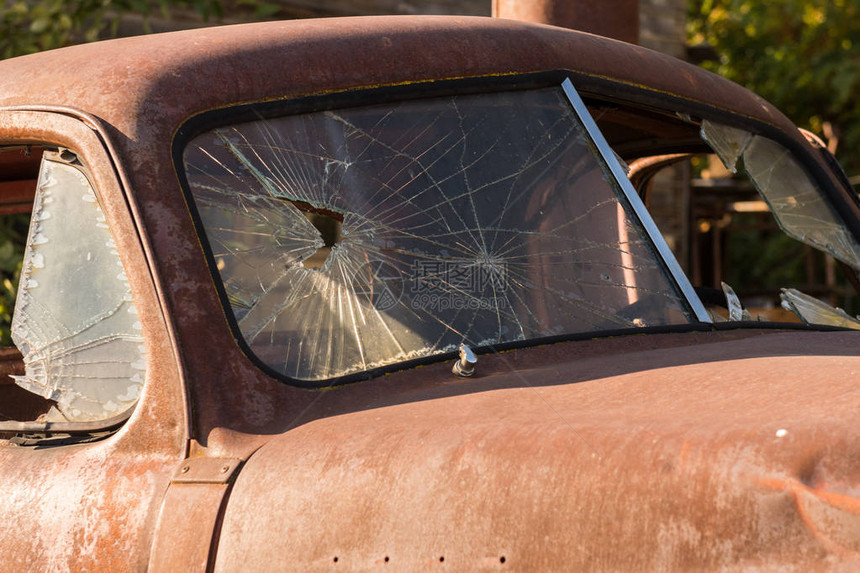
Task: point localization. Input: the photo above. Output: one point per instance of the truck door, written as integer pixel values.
(93, 421)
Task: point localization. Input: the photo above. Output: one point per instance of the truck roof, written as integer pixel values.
(146, 83)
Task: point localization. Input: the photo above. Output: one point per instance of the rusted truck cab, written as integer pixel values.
(385, 293)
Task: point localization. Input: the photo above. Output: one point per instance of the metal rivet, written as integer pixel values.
(185, 469)
(225, 469)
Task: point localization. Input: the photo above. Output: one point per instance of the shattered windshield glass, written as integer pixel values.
(797, 204)
(354, 239)
(75, 322)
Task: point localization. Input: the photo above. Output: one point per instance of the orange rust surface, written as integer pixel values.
(832, 519)
(638, 459)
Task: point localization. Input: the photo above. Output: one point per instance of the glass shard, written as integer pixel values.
(477, 219)
(798, 206)
(813, 311)
(75, 322)
(728, 143)
(736, 310)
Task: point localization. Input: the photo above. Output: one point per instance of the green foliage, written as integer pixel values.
(28, 26)
(259, 9)
(13, 234)
(763, 259)
(801, 55)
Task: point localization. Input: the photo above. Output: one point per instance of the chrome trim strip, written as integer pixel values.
(641, 212)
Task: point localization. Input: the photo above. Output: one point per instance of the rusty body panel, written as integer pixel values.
(189, 522)
(661, 451)
(668, 459)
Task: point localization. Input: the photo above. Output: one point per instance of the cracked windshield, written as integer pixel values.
(354, 239)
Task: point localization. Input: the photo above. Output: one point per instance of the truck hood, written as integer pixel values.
(730, 455)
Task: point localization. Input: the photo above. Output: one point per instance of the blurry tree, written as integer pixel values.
(13, 234)
(28, 26)
(801, 55)
(804, 57)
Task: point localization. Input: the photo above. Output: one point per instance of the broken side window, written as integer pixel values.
(797, 204)
(353, 239)
(767, 234)
(75, 322)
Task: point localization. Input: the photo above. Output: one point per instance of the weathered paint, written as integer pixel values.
(576, 459)
(142, 95)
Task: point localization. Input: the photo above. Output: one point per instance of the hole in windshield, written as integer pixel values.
(329, 229)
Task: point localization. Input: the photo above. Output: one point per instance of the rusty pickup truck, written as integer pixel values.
(402, 293)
